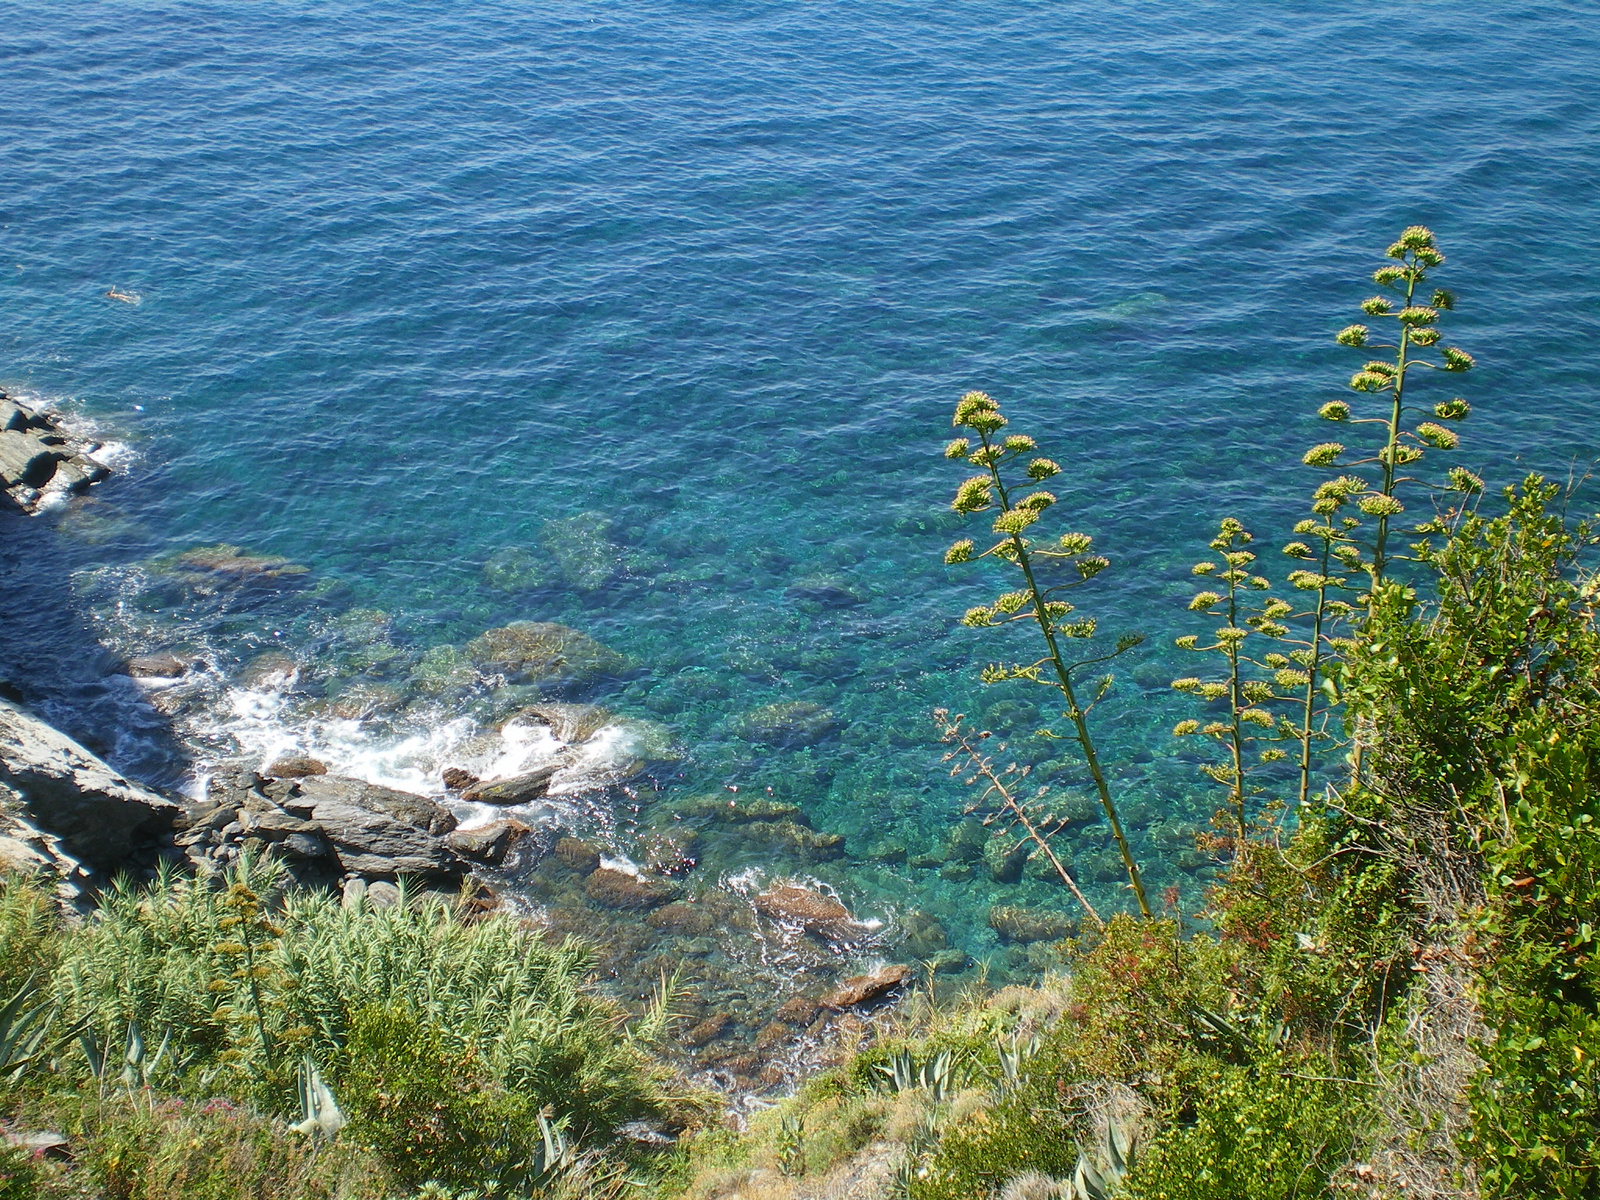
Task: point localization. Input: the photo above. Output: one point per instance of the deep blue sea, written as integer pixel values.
(660, 309)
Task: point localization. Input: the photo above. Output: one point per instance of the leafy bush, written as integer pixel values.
(1262, 1131)
(169, 957)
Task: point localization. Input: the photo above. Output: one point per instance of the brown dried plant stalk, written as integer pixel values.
(1038, 824)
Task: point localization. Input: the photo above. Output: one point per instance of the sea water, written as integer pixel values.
(647, 319)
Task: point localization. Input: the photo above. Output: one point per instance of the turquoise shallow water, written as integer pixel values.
(416, 282)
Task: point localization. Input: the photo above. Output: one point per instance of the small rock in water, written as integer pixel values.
(618, 889)
(295, 766)
(553, 657)
(162, 664)
(580, 856)
(519, 789)
(684, 917)
(274, 669)
(862, 989)
(458, 780)
(708, 1030)
(584, 554)
(796, 905)
(488, 844)
(1015, 924)
(798, 1010)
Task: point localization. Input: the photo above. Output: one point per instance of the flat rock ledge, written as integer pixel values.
(38, 456)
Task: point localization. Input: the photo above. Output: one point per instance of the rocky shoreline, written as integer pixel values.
(40, 458)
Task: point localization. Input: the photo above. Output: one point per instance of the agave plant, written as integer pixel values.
(999, 488)
(25, 1023)
(1404, 445)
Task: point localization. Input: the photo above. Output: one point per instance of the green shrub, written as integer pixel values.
(431, 1112)
(168, 956)
(127, 1148)
(1260, 1131)
(29, 931)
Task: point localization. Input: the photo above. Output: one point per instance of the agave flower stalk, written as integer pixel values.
(1038, 826)
(1242, 686)
(1302, 668)
(989, 491)
(1417, 332)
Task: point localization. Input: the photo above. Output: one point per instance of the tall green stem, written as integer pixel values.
(1391, 450)
(1075, 712)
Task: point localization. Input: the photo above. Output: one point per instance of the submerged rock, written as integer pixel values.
(822, 591)
(1015, 924)
(618, 889)
(515, 569)
(578, 855)
(455, 779)
(582, 549)
(787, 724)
(550, 656)
(208, 570)
(1005, 858)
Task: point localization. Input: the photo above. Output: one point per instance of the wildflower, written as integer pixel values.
(1352, 335)
(958, 448)
(960, 552)
(1042, 468)
(1456, 359)
(1323, 455)
(1438, 436)
(1334, 410)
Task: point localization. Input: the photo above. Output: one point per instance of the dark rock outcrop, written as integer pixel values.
(98, 815)
(38, 455)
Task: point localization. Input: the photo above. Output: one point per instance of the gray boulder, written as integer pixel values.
(98, 815)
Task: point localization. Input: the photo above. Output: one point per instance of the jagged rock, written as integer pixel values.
(863, 989)
(457, 780)
(162, 664)
(274, 824)
(553, 657)
(295, 767)
(1015, 924)
(98, 815)
(37, 452)
(518, 789)
(314, 790)
(490, 842)
(787, 724)
(1005, 858)
(305, 845)
(618, 889)
(580, 856)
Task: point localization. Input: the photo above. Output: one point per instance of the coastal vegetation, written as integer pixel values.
(1391, 989)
